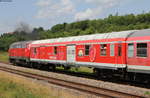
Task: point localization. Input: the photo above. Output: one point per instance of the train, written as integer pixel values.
(125, 54)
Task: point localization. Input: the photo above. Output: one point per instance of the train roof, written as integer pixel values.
(122, 34)
(140, 33)
(22, 43)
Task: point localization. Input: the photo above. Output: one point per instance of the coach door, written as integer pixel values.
(71, 54)
(119, 55)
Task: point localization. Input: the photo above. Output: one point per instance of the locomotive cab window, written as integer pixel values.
(103, 49)
(55, 50)
(142, 49)
(87, 50)
(130, 50)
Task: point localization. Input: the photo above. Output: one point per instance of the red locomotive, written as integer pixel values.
(19, 52)
(124, 53)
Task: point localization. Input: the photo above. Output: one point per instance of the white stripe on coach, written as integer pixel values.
(49, 61)
(86, 64)
(130, 68)
(138, 68)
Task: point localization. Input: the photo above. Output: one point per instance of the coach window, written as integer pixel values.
(35, 51)
(142, 49)
(103, 49)
(112, 48)
(119, 50)
(130, 50)
(87, 50)
(55, 50)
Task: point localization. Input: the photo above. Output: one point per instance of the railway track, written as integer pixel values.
(100, 92)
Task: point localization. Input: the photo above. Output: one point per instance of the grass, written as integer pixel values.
(147, 93)
(16, 87)
(84, 70)
(4, 56)
(9, 89)
(13, 87)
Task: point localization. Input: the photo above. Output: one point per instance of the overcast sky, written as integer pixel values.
(47, 13)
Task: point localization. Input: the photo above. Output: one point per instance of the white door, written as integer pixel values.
(71, 54)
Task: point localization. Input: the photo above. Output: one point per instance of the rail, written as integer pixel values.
(102, 92)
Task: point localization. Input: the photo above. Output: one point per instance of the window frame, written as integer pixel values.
(133, 50)
(146, 50)
(103, 49)
(112, 49)
(85, 50)
(34, 50)
(55, 50)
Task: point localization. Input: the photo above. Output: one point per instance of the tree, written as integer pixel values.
(109, 24)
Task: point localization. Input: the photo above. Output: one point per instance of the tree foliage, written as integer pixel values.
(109, 24)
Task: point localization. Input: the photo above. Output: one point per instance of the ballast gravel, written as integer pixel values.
(97, 83)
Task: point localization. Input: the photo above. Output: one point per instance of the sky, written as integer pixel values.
(46, 13)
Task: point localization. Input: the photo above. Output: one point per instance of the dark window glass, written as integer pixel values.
(87, 49)
(34, 51)
(55, 50)
(119, 50)
(103, 48)
(142, 49)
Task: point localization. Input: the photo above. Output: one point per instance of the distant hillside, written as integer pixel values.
(109, 24)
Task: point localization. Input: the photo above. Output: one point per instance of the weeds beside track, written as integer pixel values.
(72, 85)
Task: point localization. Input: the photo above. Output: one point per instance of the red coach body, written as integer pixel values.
(106, 51)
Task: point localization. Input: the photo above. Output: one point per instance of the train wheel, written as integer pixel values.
(52, 67)
(132, 76)
(14, 63)
(31, 65)
(38, 66)
(97, 73)
(35, 65)
(45, 67)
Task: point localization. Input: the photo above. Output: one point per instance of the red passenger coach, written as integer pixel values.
(122, 53)
(138, 52)
(101, 51)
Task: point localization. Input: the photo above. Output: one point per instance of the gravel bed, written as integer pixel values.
(98, 83)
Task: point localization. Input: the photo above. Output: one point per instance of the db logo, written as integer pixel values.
(92, 53)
